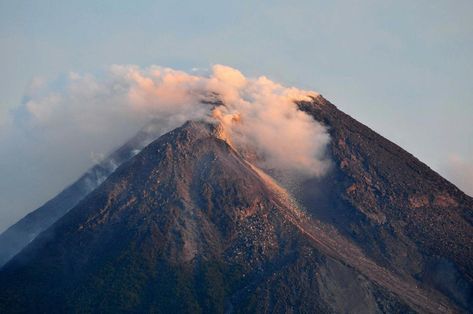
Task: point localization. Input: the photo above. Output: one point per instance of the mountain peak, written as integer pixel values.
(187, 214)
(189, 225)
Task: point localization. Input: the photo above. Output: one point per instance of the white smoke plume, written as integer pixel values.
(60, 126)
(257, 112)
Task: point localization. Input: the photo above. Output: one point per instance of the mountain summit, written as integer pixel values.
(190, 225)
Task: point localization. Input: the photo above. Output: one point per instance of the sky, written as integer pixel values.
(403, 68)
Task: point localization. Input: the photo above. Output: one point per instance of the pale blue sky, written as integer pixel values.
(403, 68)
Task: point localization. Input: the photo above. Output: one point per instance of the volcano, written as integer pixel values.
(190, 224)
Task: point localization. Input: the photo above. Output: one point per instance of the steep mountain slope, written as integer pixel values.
(404, 215)
(187, 225)
(26, 229)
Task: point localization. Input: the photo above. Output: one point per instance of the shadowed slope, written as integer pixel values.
(26, 229)
(403, 214)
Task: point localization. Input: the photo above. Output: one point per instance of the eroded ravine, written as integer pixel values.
(330, 242)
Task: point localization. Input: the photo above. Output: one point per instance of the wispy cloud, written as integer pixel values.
(460, 171)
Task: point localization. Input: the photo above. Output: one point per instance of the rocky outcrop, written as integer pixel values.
(402, 213)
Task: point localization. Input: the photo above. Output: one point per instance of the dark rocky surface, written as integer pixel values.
(188, 225)
(403, 214)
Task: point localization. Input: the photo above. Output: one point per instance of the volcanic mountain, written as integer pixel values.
(190, 225)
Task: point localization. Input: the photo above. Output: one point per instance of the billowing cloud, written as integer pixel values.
(64, 126)
(258, 114)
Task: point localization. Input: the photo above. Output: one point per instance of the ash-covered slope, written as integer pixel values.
(187, 225)
(403, 214)
(26, 229)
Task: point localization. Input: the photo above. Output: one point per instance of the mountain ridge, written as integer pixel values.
(17, 236)
(393, 205)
